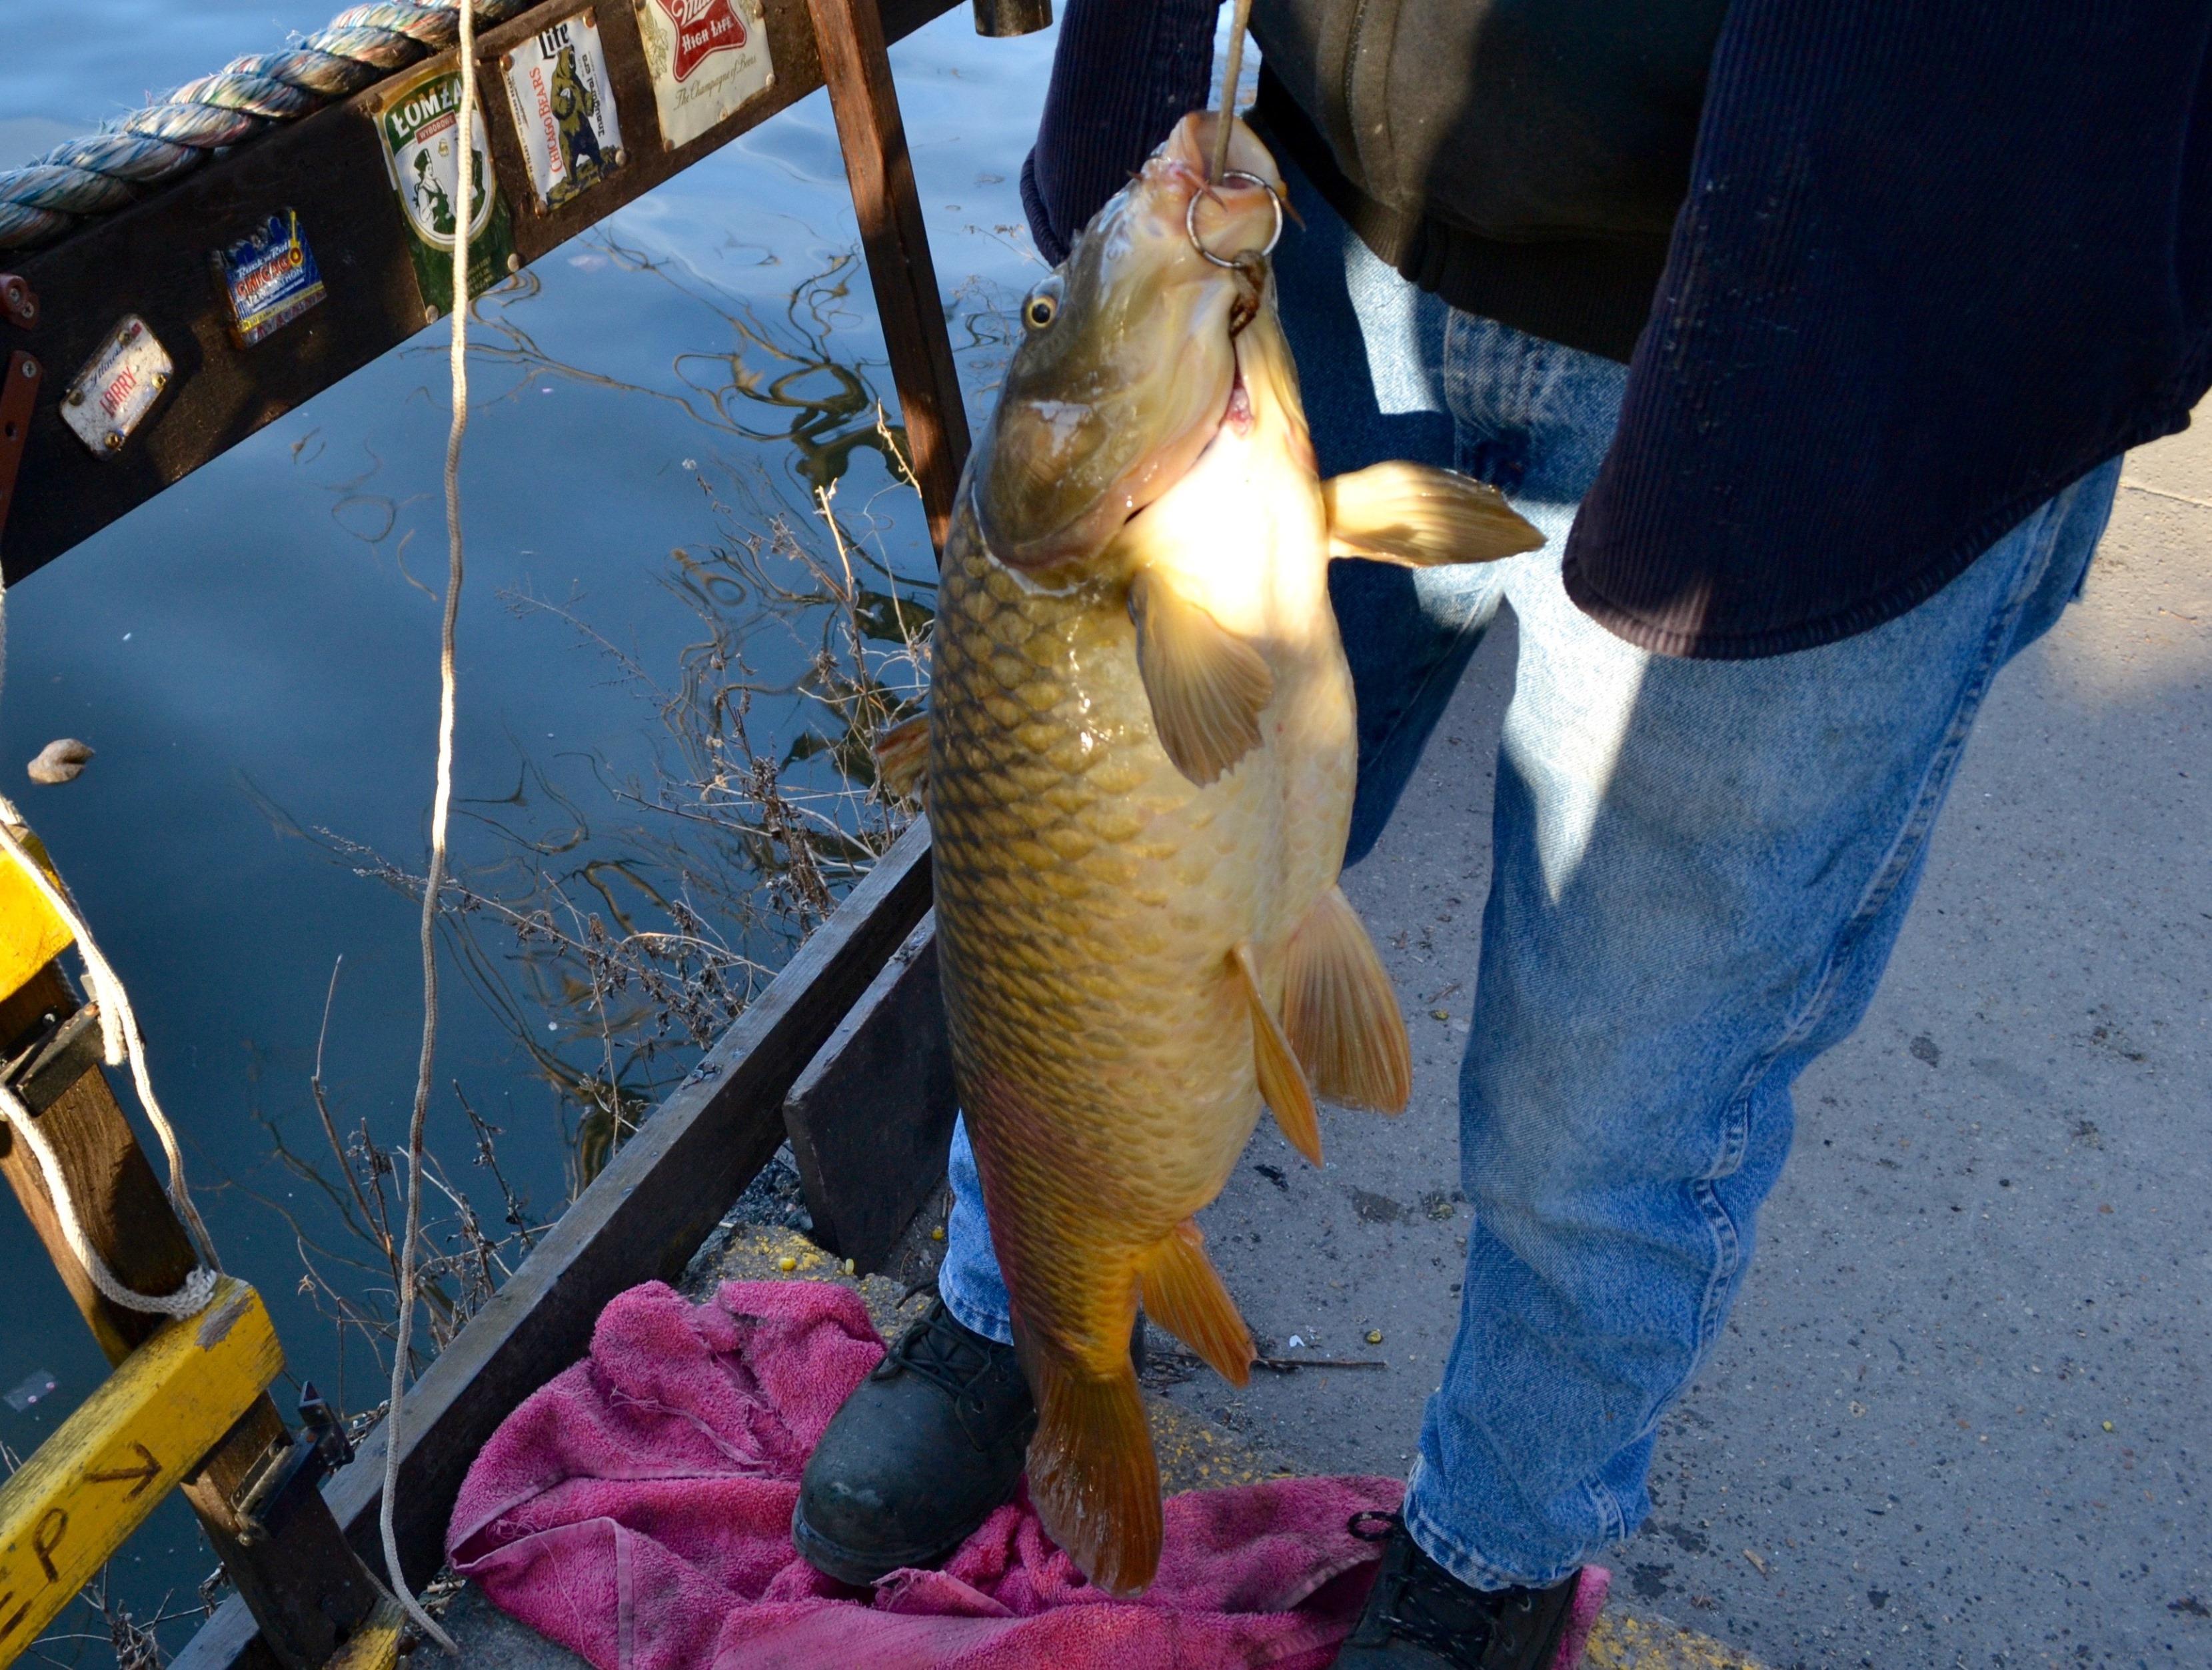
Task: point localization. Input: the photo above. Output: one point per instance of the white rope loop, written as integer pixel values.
(120, 1042)
(191, 1297)
(102, 172)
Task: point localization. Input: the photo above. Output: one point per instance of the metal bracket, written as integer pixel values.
(62, 1055)
(319, 1448)
(18, 392)
(18, 301)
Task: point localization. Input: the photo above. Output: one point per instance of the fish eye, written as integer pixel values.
(1040, 310)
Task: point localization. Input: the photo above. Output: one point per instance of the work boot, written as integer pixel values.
(926, 1447)
(1420, 1616)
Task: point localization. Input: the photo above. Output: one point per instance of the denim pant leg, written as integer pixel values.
(1698, 871)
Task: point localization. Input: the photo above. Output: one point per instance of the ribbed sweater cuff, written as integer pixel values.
(1124, 73)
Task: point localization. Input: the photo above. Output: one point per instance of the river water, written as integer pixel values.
(254, 657)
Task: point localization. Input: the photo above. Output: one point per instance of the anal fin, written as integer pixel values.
(1419, 516)
(1184, 1295)
(1282, 1084)
(1207, 686)
(1092, 1473)
(1340, 1014)
(902, 752)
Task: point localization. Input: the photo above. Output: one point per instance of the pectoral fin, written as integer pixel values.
(1282, 1085)
(1339, 1013)
(1206, 685)
(1411, 514)
(1184, 1295)
(901, 753)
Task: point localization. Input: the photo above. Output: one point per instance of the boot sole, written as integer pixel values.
(859, 1570)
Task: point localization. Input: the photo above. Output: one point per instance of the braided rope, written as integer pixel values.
(146, 149)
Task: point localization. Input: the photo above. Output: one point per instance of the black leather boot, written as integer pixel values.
(922, 1451)
(1420, 1616)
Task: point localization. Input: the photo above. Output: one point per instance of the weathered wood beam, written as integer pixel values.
(870, 1119)
(855, 58)
(642, 1220)
(155, 260)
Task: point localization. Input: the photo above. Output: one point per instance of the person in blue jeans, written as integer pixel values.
(1717, 779)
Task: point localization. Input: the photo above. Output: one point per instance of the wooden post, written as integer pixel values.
(849, 35)
(306, 1589)
(870, 1119)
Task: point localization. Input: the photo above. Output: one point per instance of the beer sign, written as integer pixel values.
(709, 58)
(419, 120)
(564, 109)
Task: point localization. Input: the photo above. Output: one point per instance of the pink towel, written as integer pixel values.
(638, 1509)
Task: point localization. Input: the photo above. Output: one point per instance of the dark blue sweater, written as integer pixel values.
(1938, 258)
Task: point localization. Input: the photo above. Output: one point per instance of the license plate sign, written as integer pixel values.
(118, 386)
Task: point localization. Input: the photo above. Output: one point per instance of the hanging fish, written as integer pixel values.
(1139, 757)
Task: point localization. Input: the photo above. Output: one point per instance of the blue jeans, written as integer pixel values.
(1697, 871)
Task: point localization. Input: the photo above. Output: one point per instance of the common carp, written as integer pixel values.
(1139, 755)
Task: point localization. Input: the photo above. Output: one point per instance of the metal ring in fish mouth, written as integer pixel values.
(1190, 218)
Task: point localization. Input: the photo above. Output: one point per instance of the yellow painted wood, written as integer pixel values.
(375, 1644)
(90, 1485)
(31, 935)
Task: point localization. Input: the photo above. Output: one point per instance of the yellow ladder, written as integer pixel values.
(188, 1403)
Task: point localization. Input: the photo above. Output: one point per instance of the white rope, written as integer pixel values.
(189, 1300)
(434, 883)
(1231, 73)
(121, 1041)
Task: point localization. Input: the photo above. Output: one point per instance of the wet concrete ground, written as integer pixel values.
(1961, 1414)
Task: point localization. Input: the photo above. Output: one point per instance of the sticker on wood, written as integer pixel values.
(564, 109)
(269, 278)
(419, 119)
(707, 58)
(110, 397)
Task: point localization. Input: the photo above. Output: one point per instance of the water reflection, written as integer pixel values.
(615, 923)
(271, 623)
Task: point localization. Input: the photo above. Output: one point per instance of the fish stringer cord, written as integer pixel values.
(434, 883)
(1231, 72)
(120, 1041)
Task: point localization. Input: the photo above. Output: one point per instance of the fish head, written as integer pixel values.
(1128, 360)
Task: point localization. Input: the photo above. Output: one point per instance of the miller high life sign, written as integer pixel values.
(708, 58)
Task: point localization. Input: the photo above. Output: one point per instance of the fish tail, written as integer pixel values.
(1093, 1475)
(1184, 1295)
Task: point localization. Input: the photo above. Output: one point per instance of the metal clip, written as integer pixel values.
(319, 1448)
(61, 1053)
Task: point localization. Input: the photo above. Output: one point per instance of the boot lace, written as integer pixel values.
(940, 1350)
